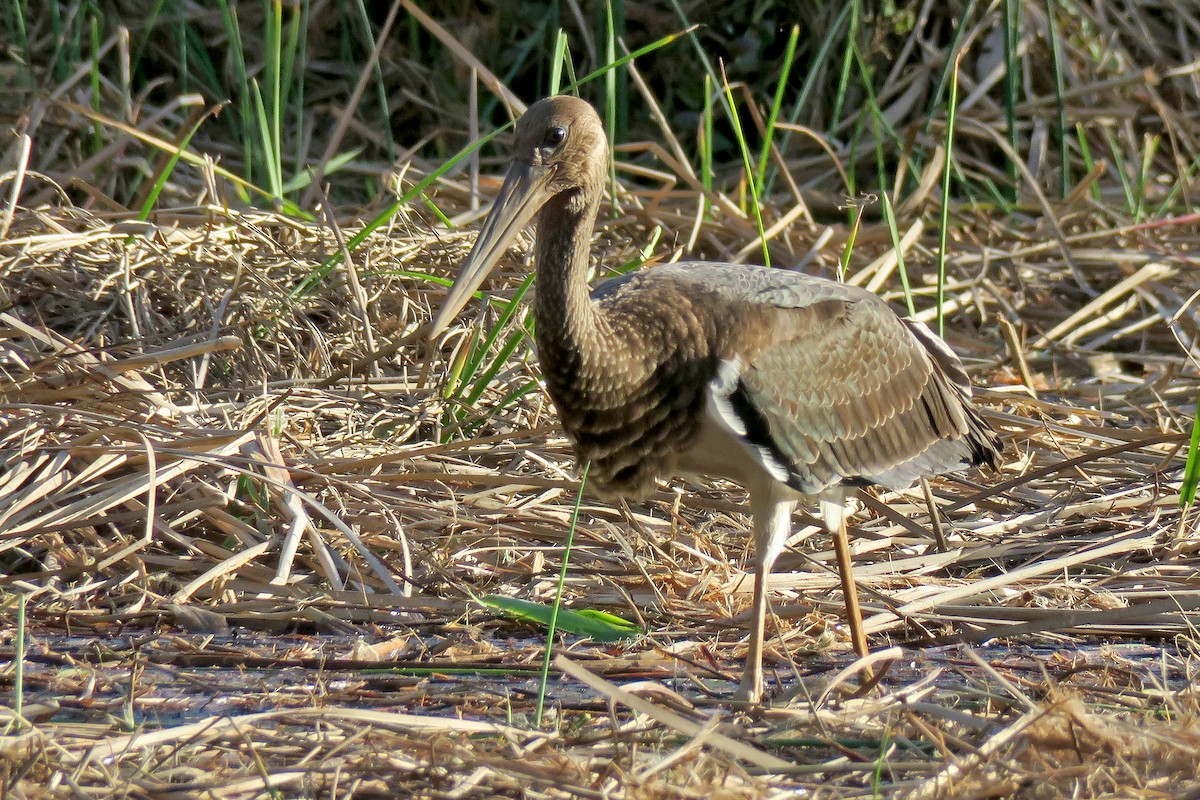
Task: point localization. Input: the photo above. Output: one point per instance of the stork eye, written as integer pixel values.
(554, 136)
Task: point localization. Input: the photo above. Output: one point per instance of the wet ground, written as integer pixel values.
(153, 680)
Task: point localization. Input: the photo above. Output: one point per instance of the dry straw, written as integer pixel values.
(247, 577)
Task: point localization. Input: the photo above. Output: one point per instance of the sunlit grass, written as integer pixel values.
(432, 449)
(751, 183)
(785, 71)
(944, 211)
(1191, 472)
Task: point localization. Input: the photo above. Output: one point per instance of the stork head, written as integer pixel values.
(560, 152)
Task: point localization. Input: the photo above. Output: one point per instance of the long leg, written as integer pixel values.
(833, 514)
(772, 522)
(841, 545)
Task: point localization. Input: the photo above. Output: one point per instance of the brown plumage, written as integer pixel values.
(787, 384)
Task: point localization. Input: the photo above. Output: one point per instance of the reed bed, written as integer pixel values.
(246, 517)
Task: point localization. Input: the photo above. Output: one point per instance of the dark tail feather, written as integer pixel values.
(984, 443)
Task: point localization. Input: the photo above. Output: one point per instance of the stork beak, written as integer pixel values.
(523, 194)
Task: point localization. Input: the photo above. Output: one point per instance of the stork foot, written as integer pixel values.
(750, 690)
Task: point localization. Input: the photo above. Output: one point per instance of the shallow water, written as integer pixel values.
(179, 679)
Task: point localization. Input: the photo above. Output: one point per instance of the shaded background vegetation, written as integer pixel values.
(870, 77)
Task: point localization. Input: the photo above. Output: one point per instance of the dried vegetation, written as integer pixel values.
(251, 548)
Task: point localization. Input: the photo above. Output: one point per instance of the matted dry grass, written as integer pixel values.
(251, 548)
(183, 484)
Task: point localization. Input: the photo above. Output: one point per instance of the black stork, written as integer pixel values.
(789, 385)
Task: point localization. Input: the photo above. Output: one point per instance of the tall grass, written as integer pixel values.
(706, 139)
(558, 595)
(1060, 106)
(479, 364)
(1191, 472)
(94, 86)
(616, 100)
(1012, 78)
(750, 182)
(843, 84)
(14, 15)
(19, 644)
(269, 67)
(944, 212)
(268, 62)
(285, 68)
(768, 139)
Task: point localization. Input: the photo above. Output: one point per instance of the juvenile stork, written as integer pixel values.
(787, 384)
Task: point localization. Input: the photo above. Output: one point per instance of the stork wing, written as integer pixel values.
(832, 387)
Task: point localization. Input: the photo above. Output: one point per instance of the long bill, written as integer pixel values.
(521, 196)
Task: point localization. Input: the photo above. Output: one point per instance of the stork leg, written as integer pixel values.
(772, 523)
(833, 513)
(841, 544)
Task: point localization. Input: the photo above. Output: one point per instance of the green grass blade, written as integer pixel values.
(19, 658)
(1012, 10)
(297, 51)
(61, 60)
(744, 148)
(437, 212)
(274, 178)
(148, 30)
(14, 19)
(949, 66)
(484, 379)
(172, 161)
(1089, 163)
(851, 239)
(610, 102)
(314, 278)
(274, 73)
(706, 143)
(302, 179)
(889, 215)
(644, 254)
(318, 274)
(558, 61)
(789, 58)
(616, 81)
(454, 372)
(241, 78)
(97, 131)
(810, 81)
(880, 126)
(1060, 102)
(1177, 187)
(657, 44)
(200, 70)
(1191, 472)
(947, 177)
(596, 625)
(243, 186)
(619, 77)
(558, 593)
(1150, 144)
(500, 406)
(839, 101)
(470, 374)
(852, 155)
(880, 762)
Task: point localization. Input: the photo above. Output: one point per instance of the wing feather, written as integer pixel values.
(841, 389)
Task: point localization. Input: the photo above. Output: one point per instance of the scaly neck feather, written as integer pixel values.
(566, 320)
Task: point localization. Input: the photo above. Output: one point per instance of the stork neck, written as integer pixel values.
(564, 238)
